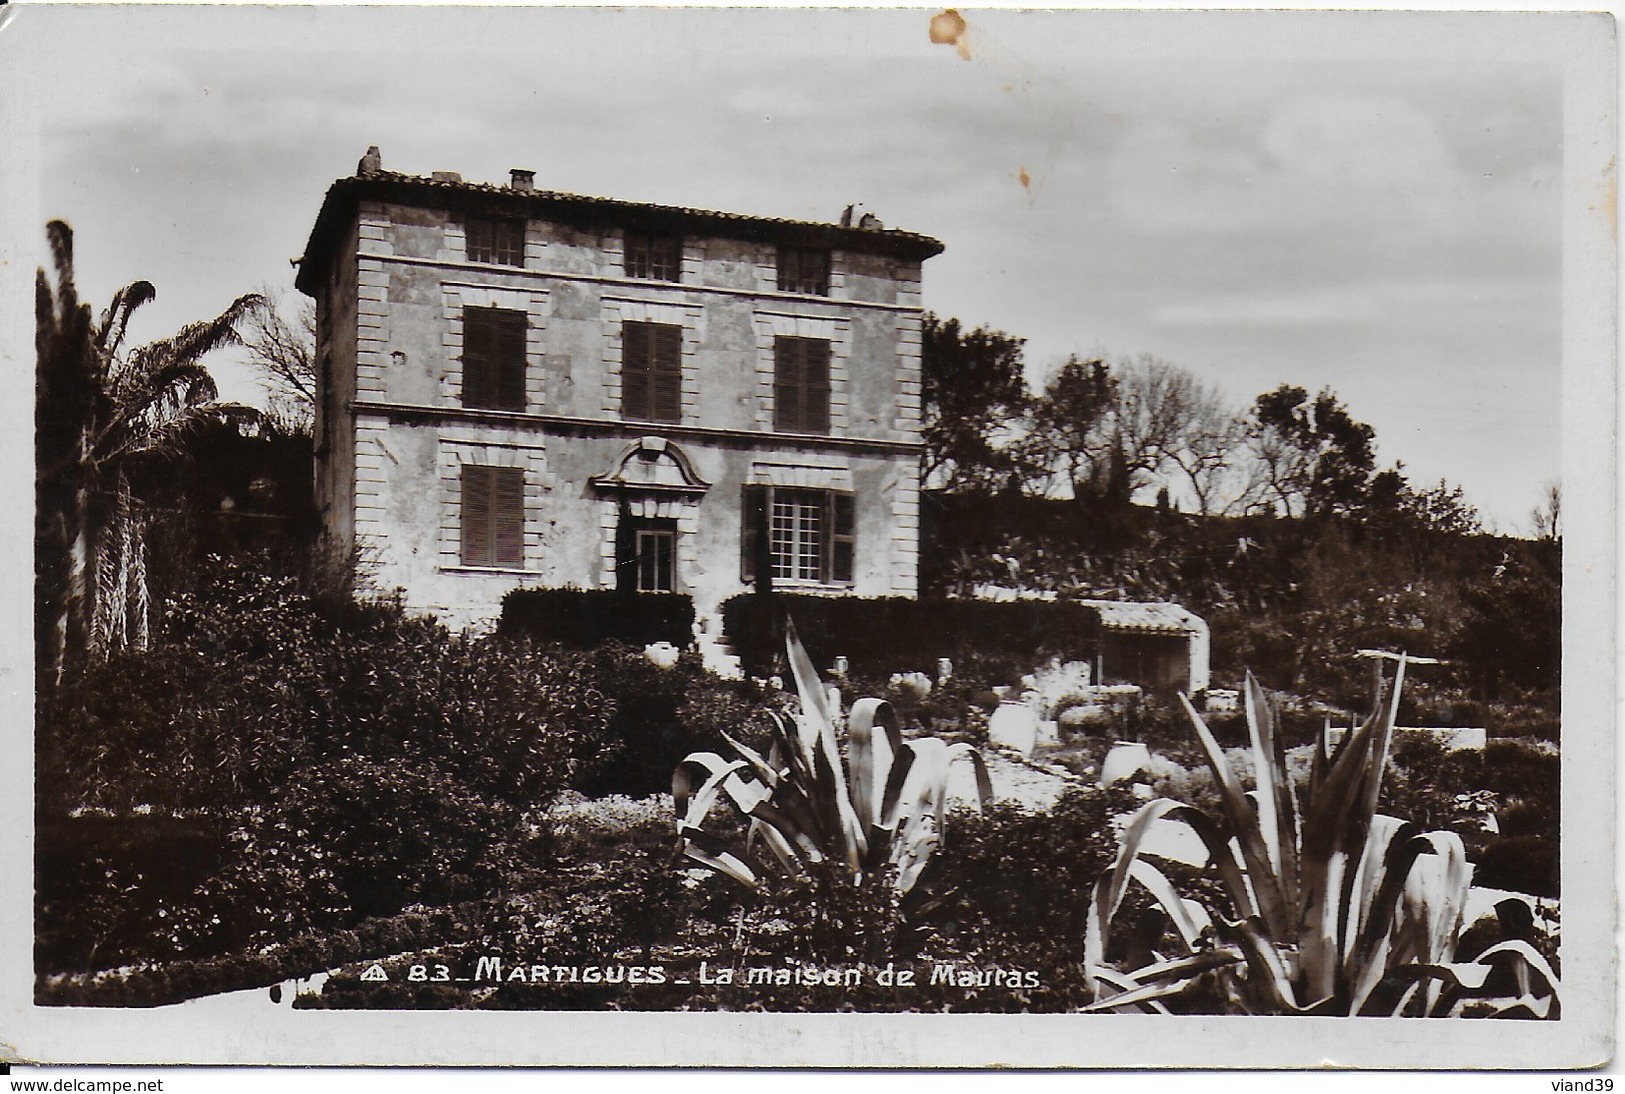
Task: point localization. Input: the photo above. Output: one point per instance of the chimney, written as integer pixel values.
(446, 176)
(520, 179)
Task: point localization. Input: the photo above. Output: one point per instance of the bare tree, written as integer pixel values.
(1118, 429)
(1208, 448)
(1547, 517)
(285, 353)
(1155, 400)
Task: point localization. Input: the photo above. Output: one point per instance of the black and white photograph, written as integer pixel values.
(800, 537)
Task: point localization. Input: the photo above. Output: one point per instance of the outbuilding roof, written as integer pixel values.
(1146, 618)
(339, 209)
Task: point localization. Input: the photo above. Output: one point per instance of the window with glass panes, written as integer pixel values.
(657, 557)
(658, 258)
(646, 554)
(811, 534)
(804, 270)
(497, 240)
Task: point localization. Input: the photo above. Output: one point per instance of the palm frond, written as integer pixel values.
(116, 319)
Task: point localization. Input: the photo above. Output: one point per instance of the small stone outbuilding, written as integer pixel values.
(1161, 647)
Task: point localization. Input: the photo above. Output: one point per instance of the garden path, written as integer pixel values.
(1012, 782)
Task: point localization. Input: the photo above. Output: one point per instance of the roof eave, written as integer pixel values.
(345, 193)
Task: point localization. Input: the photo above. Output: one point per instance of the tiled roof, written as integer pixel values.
(342, 196)
(1147, 618)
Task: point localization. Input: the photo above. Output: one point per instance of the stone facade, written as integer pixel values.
(579, 477)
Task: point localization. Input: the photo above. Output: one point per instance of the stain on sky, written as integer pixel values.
(948, 28)
(1048, 108)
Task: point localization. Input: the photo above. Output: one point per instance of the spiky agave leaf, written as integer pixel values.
(1470, 980)
(1277, 801)
(693, 800)
(914, 807)
(817, 739)
(874, 737)
(1245, 825)
(887, 804)
(1391, 850)
(1146, 987)
(1434, 909)
(1336, 822)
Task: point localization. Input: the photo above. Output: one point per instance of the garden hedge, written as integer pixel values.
(584, 618)
(884, 635)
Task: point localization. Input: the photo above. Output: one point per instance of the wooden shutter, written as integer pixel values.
(652, 371)
(494, 358)
(511, 329)
(475, 515)
(842, 538)
(492, 516)
(479, 354)
(801, 385)
(753, 521)
(786, 384)
(508, 517)
(815, 385)
(634, 370)
(666, 380)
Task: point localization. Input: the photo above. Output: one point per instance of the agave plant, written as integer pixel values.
(884, 806)
(1330, 898)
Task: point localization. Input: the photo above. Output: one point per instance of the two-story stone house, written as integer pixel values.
(525, 388)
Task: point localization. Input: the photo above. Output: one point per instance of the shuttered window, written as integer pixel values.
(651, 372)
(494, 358)
(497, 240)
(801, 385)
(811, 534)
(658, 258)
(843, 538)
(804, 270)
(492, 516)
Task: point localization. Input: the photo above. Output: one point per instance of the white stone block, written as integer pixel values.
(1014, 725)
(1125, 760)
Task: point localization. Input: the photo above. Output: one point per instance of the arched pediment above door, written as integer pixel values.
(653, 465)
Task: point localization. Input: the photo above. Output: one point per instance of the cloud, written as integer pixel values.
(1294, 309)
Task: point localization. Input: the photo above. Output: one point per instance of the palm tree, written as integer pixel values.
(102, 411)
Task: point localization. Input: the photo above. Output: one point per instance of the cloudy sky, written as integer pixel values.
(1370, 203)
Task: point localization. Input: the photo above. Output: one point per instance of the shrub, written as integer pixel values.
(344, 745)
(987, 641)
(355, 838)
(584, 618)
(255, 679)
(118, 890)
(661, 715)
(1012, 882)
(1522, 864)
